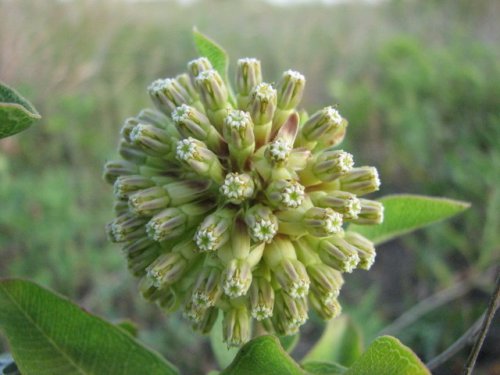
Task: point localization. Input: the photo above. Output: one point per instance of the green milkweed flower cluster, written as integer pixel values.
(239, 203)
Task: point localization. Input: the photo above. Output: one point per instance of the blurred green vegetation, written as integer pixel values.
(419, 82)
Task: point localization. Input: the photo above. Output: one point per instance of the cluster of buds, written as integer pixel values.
(239, 205)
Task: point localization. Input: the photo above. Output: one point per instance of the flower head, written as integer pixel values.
(238, 205)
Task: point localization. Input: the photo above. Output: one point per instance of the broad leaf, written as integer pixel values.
(49, 335)
(289, 342)
(128, 326)
(222, 353)
(341, 342)
(263, 355)
(323, 368)
(387, 355)
(16, 113)
(406, 213)
(213, 52)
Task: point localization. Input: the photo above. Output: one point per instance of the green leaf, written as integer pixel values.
(263, 355)
(16, 113)
(289, 342)
(341, 342)
(406, 213)
(387, 355)
(50, 335)
(222, 353)
(213, 52)
(323, 368)
(128, 326)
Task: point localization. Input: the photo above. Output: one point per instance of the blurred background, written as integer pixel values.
(419, 82)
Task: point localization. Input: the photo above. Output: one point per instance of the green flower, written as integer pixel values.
(239, 206)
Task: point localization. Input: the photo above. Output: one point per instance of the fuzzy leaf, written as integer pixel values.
(406, 213)
(16, 113)
(387, 355)
(50, 335)
(222, 353)
(263, 355)
(213, 52)
(323, 368)
(341, 342)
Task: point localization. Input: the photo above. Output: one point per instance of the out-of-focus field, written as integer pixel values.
(419, 82)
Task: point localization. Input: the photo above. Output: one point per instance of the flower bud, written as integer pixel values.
(292, 277)
(132, 152)
(324, 123)
(261, 298)
(325, 281)
(360, 181)
(236, 326)
(285, 193)
(214, 231)
(126, 185)
(212, 89)
(262, 106)
(192, 123)
(167, 300)
(197, 66)
(113, 169)
(327, 166)
(185, 81)
(322, 222)
(290, 89)
(167, 94)
(185, 191)
(289, 314)
(261, 223)
(339, 254)
(207, 321)
(371, 212)
(167, 269)
(127, 227)
(196, 155)
(238, 132)
(174, 221)
(138, 261)
(341, 201)
(153, 141)
(325, 308)
(278, 152)
(237, 278)
(248, 75)
(237, 187)
(365, 248)
(149, 202)
(127, 127)
(207, 289)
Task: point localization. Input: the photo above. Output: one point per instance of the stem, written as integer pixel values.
(436, 300)
(465, 339)
(490, 313)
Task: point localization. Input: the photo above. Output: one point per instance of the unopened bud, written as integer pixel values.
(261, 223)
(238, 130)
(292, 276)
(126, 185)
(237, 278)
(325, 122)
(207, 289)
(322, 222)
(154, 141)
(197, 66)
(339, 254)
(290, 89)
(371, 212)
(167, 269)
(325, 308)
(149, 201)
(289, 314)
(365, 248)
(360, 181)
(214, 231)
(237, 187)
(114, 169)
(262, 107)
(236, 326)
(212, 90)
(285, 193)
(127, 227)
(167, 94)
(261, 298)
(341, 201)
(196, 155)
